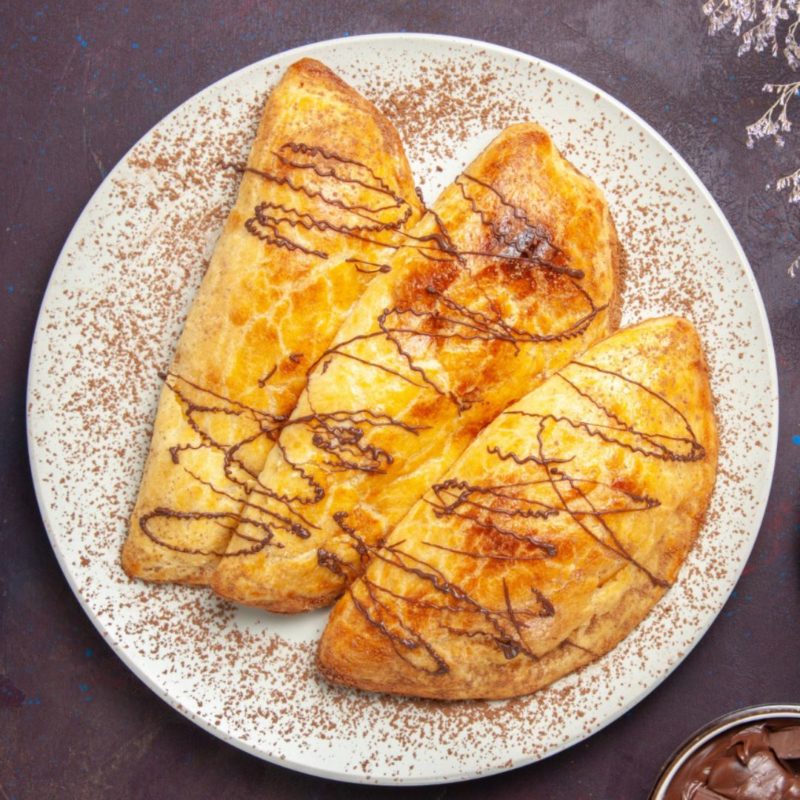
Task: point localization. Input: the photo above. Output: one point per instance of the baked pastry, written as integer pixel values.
(326, 195)
(510, 274)
(548, 541)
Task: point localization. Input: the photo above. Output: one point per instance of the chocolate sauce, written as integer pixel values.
(532, 243)
(402, 642)
(751, 762)
(382, 212)
(432, 315)
(244, 481)
(505, 522)
(262, 382)
(372, 181)
(368, 267)
(274, 222)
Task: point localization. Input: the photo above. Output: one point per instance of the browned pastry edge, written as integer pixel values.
(596, 639)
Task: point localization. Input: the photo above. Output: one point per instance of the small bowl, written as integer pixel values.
(752, 715)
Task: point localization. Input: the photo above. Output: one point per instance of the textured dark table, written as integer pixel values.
(81, 82)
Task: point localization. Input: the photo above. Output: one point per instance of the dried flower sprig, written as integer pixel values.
(757, 24)
(791, 182)
(763, 33)
(775, 120)
(792, 49)
(720, 14)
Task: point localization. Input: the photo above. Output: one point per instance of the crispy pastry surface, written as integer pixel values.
(510, 274)
(552, 536)
(326, 193)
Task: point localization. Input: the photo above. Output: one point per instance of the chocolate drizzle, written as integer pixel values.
(451, 300)
(533, 243)
(369, 267)
(504, 527)
(234, 479)
(314, 193)
(454, 302)
(330, 182)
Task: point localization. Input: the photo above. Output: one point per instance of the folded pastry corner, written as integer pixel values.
(511, 273)
(325, 197)
(552, 536)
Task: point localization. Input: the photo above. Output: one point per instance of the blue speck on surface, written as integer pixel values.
(134, 45)
(34, 37)
(10, 288)
(83, 42)
(623, 77)
(346, 33)
(796, 439)
(32, 701)
(714, 119)
(88, 652)
(84, 687)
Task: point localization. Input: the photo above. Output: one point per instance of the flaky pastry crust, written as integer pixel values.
(551, 537)
(326, 191)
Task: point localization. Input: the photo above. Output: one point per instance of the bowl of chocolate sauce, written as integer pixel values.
(749, 754)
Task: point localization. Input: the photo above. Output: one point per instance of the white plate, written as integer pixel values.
(114, 308)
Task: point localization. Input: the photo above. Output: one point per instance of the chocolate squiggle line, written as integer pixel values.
(269, 216)
(234, 467)
(340, 435)
(377, 183)
(535, 240)
(237, 520)
(461, 499)
(344, 446)
(383, 268)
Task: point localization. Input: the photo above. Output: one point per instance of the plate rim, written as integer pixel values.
(121, 650)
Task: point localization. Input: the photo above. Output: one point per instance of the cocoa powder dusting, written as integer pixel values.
(113, 314)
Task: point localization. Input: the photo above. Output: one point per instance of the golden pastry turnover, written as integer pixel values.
(326, 194)
(552, 536)
(510, 274)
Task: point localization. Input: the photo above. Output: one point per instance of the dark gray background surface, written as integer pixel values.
(80, 82)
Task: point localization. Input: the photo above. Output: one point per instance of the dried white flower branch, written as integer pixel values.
(791, 182)
(757, 24)
(774, 121)
(720, 14)
(792, 49)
